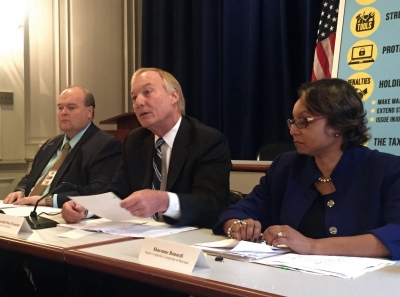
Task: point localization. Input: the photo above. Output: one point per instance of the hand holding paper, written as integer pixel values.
(72, 212)
(145, 203)
(105, 205)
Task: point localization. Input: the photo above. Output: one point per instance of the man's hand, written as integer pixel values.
(145, 203)
(14, 196)
(72, 212)
(31, 200)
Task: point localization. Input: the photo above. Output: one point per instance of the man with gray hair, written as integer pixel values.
(173, 167)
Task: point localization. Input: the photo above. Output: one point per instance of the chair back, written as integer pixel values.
(235, 196)
(269, 151)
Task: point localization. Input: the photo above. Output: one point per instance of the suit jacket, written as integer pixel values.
(90, 165)
(367, 197)
(198, 171)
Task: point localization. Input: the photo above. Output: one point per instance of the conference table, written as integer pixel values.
(118, 256)
(48, 244)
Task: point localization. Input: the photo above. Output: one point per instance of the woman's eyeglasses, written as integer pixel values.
(302, 122)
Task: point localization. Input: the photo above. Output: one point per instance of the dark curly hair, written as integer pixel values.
(341, 104)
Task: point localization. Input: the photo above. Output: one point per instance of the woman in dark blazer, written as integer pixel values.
(333, 196)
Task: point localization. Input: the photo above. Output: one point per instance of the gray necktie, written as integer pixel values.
(157, 165)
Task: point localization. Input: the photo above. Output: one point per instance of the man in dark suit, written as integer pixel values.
(90, 161)
(195, 176)
(89, 164)
(193, 180)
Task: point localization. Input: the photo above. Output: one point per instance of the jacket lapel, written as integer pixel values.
(65, 165)
(299, 194)
(146, 149)
(49, 150)
(179, 152)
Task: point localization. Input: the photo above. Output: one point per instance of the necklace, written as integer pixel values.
(324, 180)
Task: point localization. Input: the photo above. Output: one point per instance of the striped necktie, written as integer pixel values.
(157, 165)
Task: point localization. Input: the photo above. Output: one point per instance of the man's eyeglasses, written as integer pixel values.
(302, 122)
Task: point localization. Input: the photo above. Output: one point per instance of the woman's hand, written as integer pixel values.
(279, 235)
(249, 229)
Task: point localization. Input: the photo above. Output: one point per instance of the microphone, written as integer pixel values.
(36, 222)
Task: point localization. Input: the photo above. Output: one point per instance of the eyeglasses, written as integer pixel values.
(302, 122)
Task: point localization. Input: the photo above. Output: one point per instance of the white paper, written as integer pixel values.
(346, 267)
(133, 228)
(226, 243)
(4, 205)
(25, 210)
(241, 250)
(105, 205)
(76, 233)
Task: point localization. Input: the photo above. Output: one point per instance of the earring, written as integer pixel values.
(336, 135)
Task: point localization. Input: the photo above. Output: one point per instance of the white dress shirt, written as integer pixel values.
(174, 208)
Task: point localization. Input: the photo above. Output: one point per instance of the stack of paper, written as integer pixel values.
(133, 228)
(346, 267)
(339, 266)
(241, 250)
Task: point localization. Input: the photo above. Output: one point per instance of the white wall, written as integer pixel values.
(12, 80)
(62, 42)
(243, 181)
(12, 122)
(74, 42)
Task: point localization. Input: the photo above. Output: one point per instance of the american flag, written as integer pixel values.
(323, 56)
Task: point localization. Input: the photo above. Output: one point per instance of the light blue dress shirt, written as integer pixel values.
(56, 156)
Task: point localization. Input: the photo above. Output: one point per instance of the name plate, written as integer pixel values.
(171, 256)
(14, 225)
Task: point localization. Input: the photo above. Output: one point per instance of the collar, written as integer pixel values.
(74, 140)
(169, 137)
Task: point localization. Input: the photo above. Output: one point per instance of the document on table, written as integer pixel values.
(4, 205)
(240, 250)
(134, 228)
(339, 266)
(105, 205)
(25, 210)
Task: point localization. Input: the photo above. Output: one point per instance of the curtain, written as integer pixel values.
(239, 62)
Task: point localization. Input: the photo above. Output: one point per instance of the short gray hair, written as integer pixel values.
(170, 84)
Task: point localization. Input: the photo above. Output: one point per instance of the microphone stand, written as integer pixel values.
(37, 222)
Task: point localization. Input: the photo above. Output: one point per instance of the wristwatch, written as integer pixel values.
(49, 201)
